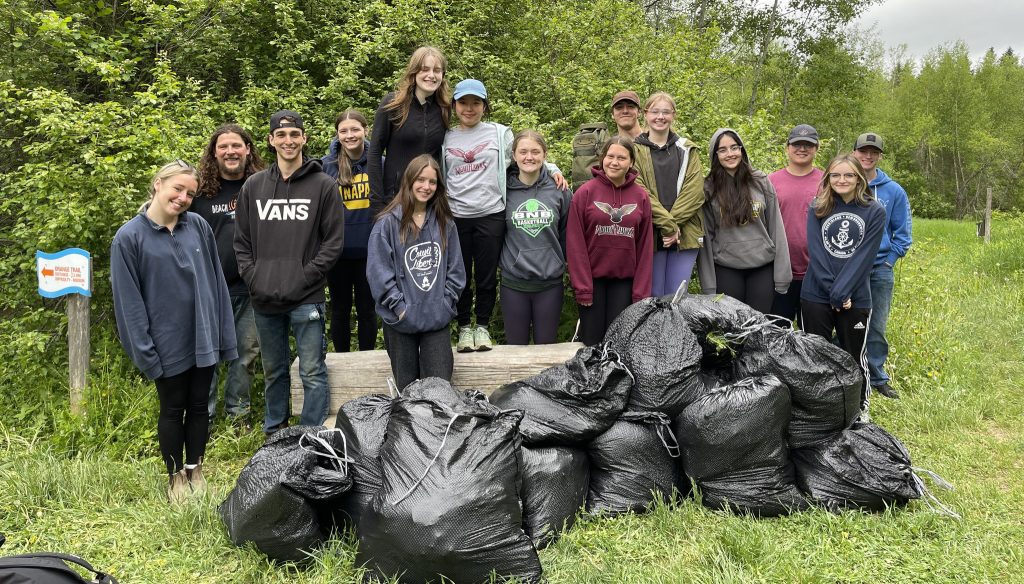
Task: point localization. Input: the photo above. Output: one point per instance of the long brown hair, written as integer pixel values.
(209, 172)
(344, 162)
(405, 198)
(406, 90)
(732, 191)
(825, 200)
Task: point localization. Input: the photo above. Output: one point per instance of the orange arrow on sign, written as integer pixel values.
(47, 272)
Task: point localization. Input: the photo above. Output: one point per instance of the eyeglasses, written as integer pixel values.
(181, 163)
(661, 112)
(728, 149)
(803, 146)
(844, 175)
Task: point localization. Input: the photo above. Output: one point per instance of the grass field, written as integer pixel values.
(957, 332)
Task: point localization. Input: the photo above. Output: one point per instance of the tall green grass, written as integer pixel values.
(957, 334)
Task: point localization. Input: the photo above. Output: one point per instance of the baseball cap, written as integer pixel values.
(868, 139)
(629, 96)
(803, 133)
(469, 87)
(286, 119)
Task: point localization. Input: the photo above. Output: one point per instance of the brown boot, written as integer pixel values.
(196, 479)
(177, 487)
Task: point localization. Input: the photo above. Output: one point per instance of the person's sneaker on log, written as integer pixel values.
(481, 339)
(466, 340)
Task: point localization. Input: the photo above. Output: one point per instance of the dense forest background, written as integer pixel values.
(97, 93)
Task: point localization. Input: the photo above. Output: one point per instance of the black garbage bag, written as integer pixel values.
(363, 421)
(555, 480)
(861, 467)
(655, 343)
(720, 324)
(283, 492)
(632, 464)
(734, 448)
(450, 499)
(569, 404)
(825, 382)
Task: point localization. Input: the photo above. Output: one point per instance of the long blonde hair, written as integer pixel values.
(825, 200)
(406, 90)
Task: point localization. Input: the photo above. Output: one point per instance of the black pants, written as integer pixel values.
(481, 239)
(348, 278)
(850, 326)
(788, 305)
(541, 309)
(420, 355)
(611, 297)
(184, 419)
(755, 286)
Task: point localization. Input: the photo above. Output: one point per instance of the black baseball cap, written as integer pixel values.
(286, 119)
(803, 133)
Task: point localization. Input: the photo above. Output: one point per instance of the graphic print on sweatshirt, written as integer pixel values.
(422, 262)
(470, 163)
(532, 217)
(356, 195)
(283, 209)
(842, 234)
(225, 208)
(615, 214)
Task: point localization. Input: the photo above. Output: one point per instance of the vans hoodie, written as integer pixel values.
(533, 256)
(288, 234)
(897, 238)
(610, 235)
(416, 277)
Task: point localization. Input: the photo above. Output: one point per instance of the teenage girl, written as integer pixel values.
(844, 229)
(671, 171)
(174, 316)
(346, 162)
(745, 254)
(476, 155)
(414, 265)
(609, 241)
(533, 257)
(410, 121)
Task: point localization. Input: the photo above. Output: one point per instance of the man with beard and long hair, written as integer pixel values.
(230, 158)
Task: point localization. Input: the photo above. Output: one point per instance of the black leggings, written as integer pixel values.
(419, 355)
(850, 326)
(611, 297)
(184, 419)
(348, 276)
(541, 309)
(755, 286)
(480, 239)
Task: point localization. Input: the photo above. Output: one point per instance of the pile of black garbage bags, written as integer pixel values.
(698, 393)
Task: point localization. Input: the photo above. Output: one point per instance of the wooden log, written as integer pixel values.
(351, 375)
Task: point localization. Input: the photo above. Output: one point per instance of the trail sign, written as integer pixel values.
(65, 272)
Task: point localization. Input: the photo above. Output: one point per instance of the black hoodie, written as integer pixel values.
(288, 234)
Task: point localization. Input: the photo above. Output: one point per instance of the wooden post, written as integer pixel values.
(987, 226)
(78, 348)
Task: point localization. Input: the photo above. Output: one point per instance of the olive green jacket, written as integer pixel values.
(685, 214)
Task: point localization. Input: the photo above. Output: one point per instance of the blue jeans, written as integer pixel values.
(307, 323)
(881, 301)
(238, 386)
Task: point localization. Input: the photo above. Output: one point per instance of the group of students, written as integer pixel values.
(415, 221)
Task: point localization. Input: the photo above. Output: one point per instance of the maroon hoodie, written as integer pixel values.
(609, 235)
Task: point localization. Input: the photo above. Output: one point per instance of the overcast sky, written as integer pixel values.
(926, 24)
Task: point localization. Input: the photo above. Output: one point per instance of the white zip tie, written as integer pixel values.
(393, 387)
(681, 292)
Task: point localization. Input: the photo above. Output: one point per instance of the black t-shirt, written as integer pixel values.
(219, 212)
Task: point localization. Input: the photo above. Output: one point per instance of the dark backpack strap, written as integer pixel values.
(12, 562)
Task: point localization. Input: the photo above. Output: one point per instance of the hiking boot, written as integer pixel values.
(196, 480)
(482, 339)
(466, 337)
(886, 390)
(177, 487)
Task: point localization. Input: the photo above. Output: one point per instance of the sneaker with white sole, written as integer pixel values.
(465, 344)
(482, 339)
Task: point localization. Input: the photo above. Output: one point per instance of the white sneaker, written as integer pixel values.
(465, 344)
(482, 339)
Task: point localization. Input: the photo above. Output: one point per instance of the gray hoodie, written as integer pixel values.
(751, 245)
(533, 256)
(417, 277)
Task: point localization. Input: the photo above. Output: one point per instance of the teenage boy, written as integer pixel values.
(796, 185)
(626, 114)
(895, 242)
(289, 233)
(230, 158)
